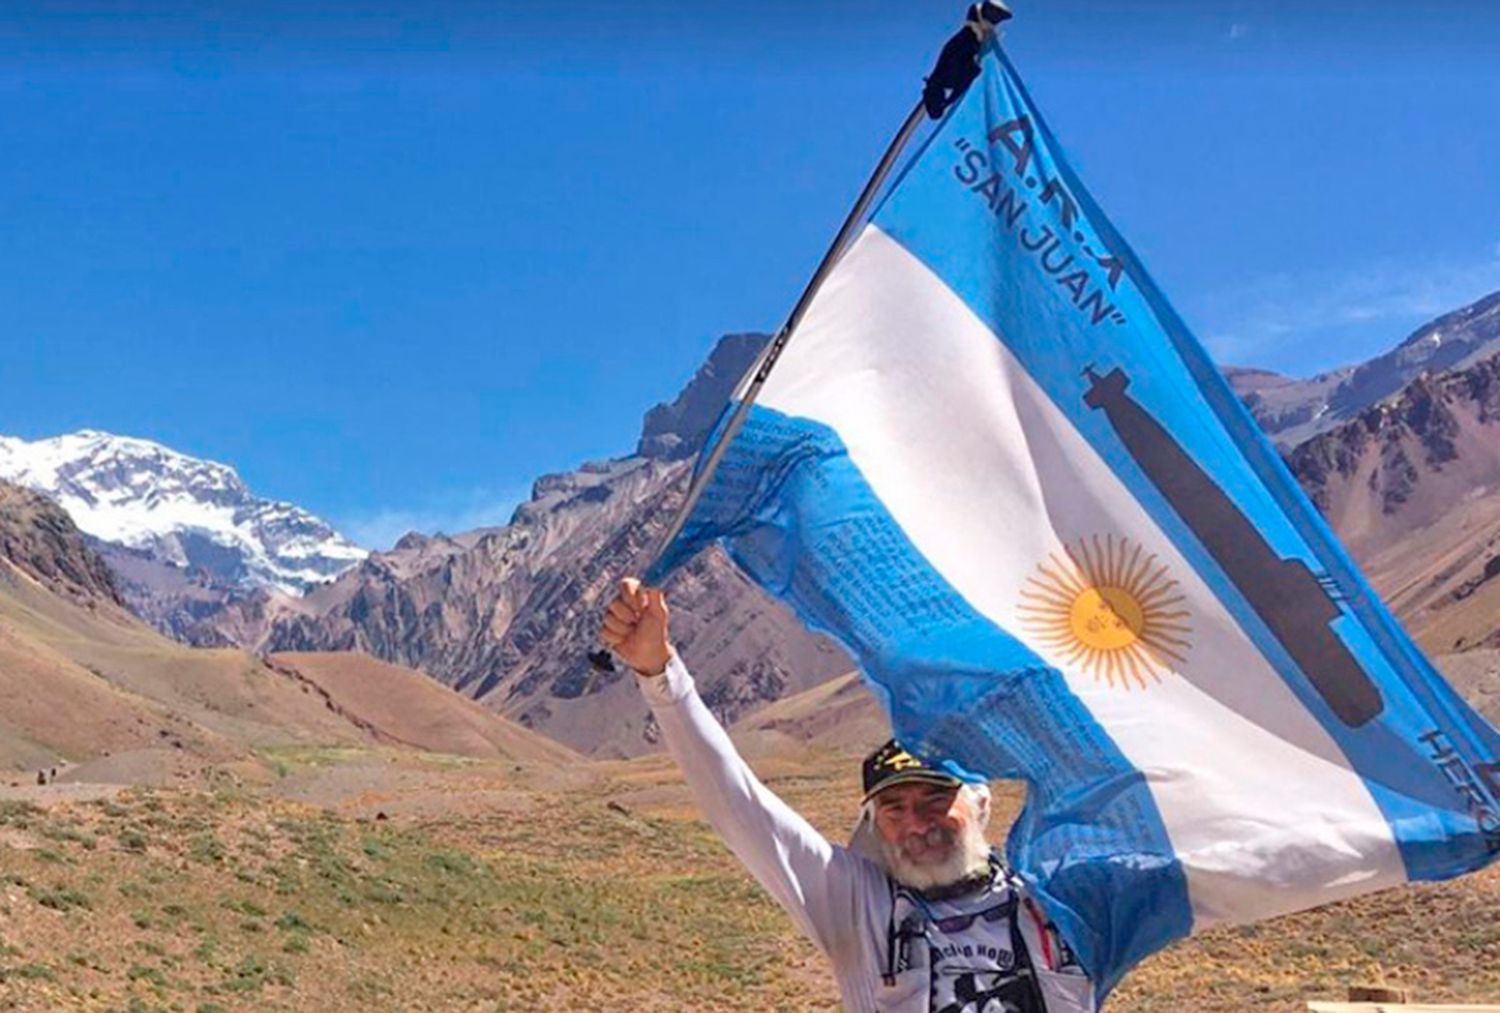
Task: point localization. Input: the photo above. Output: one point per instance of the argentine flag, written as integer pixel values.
(995, 465)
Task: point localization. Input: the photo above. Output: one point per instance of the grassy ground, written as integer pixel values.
(202, 901)
(605, 895)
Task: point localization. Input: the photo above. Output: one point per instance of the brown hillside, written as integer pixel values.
(840, 716)
(225, 693)
(83, 682)
(52, 708)
(403, 707)
(1411, 488)
(1476, 677)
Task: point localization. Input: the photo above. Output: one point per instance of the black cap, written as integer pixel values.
(892, 764)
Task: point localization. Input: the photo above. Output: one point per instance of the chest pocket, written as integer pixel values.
(980, 964)
(979, 990)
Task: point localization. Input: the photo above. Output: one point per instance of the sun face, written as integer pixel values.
(1109, 607)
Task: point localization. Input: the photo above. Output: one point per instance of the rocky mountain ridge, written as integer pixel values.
(508, 615)
(1292, 411)
(1412, 486)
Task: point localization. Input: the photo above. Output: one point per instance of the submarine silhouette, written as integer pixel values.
(1286, 595)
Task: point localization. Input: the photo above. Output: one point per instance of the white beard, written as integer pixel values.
(969, 857)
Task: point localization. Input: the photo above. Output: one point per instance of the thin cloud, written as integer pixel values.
(1271, 317)
(456, 512)
(1238, 30)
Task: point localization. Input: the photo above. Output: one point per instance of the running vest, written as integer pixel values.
(970, 950)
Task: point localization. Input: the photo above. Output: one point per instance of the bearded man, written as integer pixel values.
(917, 913)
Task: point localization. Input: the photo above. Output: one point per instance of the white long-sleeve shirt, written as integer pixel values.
(892, 950)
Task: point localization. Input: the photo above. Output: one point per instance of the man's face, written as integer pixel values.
(931, 834)
(921, 819)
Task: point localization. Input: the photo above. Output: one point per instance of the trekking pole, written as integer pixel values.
(955, 71)
(761, 370)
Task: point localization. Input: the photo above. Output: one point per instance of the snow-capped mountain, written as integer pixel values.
(190, 513)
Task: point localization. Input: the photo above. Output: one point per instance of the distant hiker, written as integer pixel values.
(41, 777)
(918, 913)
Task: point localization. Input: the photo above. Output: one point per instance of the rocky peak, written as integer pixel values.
(39, 539)
(675, 431)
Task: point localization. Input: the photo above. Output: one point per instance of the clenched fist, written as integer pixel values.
(635, 627)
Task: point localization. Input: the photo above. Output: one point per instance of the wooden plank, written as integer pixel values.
(1377, 993)
(1394, 1007)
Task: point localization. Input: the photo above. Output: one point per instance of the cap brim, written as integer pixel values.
(908, 776)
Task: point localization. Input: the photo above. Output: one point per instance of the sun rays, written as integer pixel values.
(1110, 608)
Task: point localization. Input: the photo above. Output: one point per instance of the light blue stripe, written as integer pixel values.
(985, 225)
(796, 515)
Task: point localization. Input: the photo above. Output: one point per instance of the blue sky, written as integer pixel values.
(394, 260)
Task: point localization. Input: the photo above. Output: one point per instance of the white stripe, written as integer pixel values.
(987, 477)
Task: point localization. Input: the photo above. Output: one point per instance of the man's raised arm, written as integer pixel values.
(813, 880)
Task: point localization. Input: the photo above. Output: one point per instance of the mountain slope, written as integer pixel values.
(840, 716)
(1292, 411)
(400, 707)
(1412, 486)
(44, 543)
(82, 679)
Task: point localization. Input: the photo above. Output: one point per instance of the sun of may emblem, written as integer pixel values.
(1110, 607)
